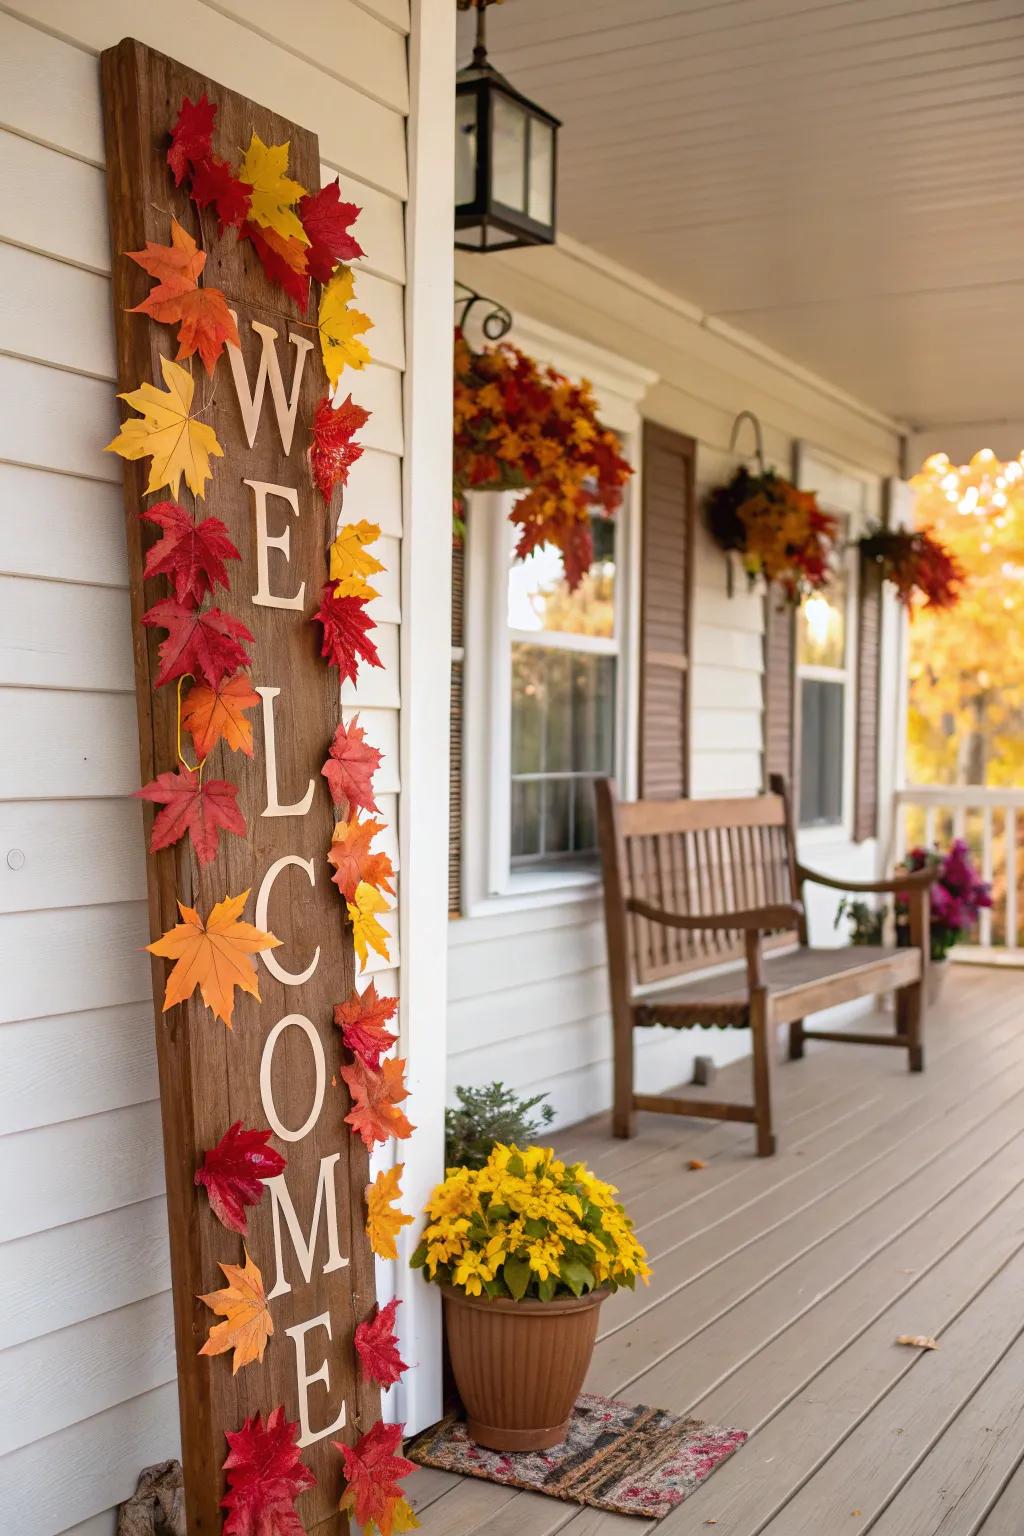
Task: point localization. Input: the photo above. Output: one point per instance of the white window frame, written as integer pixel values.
(489, 883)
(847, 676)
(854, 495)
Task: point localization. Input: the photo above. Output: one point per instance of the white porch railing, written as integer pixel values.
(991, 822)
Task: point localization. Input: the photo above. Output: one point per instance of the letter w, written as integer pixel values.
(251, 404)
(281, 1203)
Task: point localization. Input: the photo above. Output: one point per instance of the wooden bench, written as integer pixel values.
(714, 886)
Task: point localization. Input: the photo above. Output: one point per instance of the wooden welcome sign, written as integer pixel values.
(234, 556)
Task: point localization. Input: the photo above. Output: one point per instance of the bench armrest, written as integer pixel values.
(752, 920)
(918, 879)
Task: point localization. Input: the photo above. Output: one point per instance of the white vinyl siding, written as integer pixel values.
(528, 990)
(85, 1312)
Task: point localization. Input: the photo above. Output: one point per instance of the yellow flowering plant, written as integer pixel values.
(526, 1225)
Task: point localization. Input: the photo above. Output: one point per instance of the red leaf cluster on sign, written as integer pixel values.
(377, 1346)
(265, 1476)
(346, 630)
(350, 767)
(362, 1021)
(372, 1471)
(202, 808)
(211, 179)
(234, 1173)
(333, 449)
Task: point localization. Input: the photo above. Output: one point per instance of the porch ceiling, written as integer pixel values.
(842, 179)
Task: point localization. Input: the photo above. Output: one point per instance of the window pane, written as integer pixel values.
(542, 149)
(526, 818)
(465, 148)
(508, 140)
(563, 736)
(538, 598)
(821, 630)
(821, 752)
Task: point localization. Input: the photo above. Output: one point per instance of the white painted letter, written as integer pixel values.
(298, 1338)
(274, 966)
(265, 542)
(266, 1089)
(281, 1200)
(274, 806)
(251, 405)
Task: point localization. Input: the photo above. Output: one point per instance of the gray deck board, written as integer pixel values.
(895, 1205)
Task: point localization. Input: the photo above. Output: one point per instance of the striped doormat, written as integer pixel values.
(618, 1456)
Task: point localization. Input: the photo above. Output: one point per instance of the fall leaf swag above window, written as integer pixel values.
(780, 533)
(523, 427)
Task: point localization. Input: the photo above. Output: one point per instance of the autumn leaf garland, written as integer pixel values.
(300, 238)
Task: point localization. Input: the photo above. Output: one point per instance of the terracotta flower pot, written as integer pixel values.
(519, 1365)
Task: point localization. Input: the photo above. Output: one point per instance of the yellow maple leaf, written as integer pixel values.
(366, 931)
(274, 194)
(247, 1323)
(215, 955)
(168, 433)
(350, 563)
(403, 1518)
(384, 1220)
(340, 327)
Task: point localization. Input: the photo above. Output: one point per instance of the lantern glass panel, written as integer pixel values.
(508, 150)
(542, 154)
(465, 147)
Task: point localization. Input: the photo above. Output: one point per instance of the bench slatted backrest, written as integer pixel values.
(697, 856)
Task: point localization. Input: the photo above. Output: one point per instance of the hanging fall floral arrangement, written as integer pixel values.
(523, 427)
(917, 564)
(780, 533)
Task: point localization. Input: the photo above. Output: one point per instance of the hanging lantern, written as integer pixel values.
(505, 158)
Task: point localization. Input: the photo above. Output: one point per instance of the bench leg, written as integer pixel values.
(796, 1040)
(910, 1022)
(623, 1118)
(763, 1048)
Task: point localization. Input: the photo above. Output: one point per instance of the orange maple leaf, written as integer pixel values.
(384, 1220)
(204, 321)
(375, 1114)
(217, 714)
(247, 1323)
(215, 955)
(353, 862)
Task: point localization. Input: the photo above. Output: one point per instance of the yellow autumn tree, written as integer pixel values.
(966, 717)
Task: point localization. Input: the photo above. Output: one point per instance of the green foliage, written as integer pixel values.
(485, 1117)
(865, 922)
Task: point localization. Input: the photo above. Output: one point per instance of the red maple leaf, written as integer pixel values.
(191, 136)
(213, 181)
(265, 1475)
(377, 1345)
(332, 451)
(278, 270)
(192, 554)
(376, 1095)
(234, 1171)
(350, 767)
(346, 630)
(350, 856)
(326, 220)
(372, 1471)
(362, 1019)
(202, 808)
(201, 641)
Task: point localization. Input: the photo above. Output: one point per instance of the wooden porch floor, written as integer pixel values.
(895, 1205)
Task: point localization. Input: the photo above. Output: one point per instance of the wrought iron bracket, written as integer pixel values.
(497, 321)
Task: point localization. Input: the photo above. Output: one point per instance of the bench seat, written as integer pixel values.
(799, 982)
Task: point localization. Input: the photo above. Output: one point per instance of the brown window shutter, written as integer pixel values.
(666, 606)
(779, 684)
(869, 630)
(455, 738)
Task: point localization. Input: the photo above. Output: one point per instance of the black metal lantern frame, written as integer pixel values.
(513, 198)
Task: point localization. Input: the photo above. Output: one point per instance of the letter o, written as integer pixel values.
(266, 1064)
